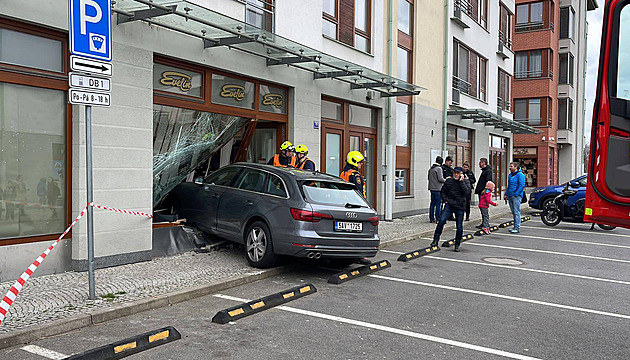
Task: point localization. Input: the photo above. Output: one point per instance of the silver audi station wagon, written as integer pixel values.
(280, 211)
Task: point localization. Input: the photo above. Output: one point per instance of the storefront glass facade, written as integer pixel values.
(34, 119)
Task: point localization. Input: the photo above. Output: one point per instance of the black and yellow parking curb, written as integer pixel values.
(452, 241)
(537, 213)
(526, 218)
(494, 228)
(480, 233)
(267, 302)
(505, 224)
(358, 272)
(130, 346)
(418, 253)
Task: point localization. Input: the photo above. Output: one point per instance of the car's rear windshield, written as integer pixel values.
(333, 193)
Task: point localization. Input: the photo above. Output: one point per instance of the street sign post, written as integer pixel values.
(91, 28)
(80, 97)
(90, 38)
(89, 82)
(95, 67)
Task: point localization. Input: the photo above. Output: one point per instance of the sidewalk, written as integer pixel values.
(54, 304)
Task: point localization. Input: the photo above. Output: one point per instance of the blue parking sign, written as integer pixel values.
(91, 28)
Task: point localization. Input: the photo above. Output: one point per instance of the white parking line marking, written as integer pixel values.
(570, 241)
(500, 296)
(520, 268)
(34, 349)
(599, 232)
(551, 252)
(392, 330)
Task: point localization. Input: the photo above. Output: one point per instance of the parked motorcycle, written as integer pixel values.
(559, 210)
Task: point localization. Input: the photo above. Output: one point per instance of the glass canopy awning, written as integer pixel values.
(215, 30)
(490, 119)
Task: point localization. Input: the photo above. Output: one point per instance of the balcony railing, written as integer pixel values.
(531, 26)
(464, 6)
(504, 40)
(535, 122)
(533, 74)
(503, 104)
(462, 85)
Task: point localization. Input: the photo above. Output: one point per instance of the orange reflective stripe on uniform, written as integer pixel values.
(301, 167)
(346, 174)
(276, 161)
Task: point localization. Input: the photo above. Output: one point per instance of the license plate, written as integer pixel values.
(348, 226)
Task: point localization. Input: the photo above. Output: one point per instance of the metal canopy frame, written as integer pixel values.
(217, 30)
(491, 119)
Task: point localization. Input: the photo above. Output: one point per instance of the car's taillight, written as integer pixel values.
(374, 220)
(309, 216)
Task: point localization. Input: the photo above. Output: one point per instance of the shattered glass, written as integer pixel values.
(183, 139)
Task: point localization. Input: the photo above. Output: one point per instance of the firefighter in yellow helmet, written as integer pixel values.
(350, 173)
(303, 162)
(285, 158)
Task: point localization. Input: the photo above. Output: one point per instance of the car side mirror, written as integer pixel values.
(575, 184)
(198, 180)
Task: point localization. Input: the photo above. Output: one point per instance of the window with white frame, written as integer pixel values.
(261, 14)
(567, 16)
(566, 68)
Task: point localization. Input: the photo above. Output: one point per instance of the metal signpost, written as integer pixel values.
(90, 38)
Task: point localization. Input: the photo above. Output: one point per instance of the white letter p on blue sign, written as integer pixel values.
(91, 28)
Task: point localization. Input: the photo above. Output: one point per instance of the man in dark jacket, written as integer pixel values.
(447, 169)
(454, 193)
(436, 181)
(468, 174)
(484, 177)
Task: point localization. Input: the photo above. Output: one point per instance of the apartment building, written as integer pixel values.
(480, 113)
(201, 84)
(548, 94)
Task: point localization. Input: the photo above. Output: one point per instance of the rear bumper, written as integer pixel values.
(337, 251)
(305, 242)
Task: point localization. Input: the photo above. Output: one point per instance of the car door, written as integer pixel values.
(198, 203)
(237, 202)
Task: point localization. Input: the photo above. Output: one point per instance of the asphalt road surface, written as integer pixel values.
(547, 293)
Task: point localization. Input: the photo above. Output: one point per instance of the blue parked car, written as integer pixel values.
(540, 196)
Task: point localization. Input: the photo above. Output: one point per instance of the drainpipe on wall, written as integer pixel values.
(389, 147)
(446, 46)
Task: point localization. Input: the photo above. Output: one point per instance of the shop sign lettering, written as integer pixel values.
(525, 151)
(176, 79)
(275, 100)
(236, 92)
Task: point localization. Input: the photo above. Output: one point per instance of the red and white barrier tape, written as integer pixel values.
(137, 213)
(13, 292)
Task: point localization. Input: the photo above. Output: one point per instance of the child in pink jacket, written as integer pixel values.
(485, 200)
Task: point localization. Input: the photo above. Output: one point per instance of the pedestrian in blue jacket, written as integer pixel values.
(514, 194)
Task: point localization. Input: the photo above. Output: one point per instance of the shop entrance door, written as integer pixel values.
(337, 143)
(499, 170)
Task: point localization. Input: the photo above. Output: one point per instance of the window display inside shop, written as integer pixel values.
(33, 133)
(528, 159)
(32, 160)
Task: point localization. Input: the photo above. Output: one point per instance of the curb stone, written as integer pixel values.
(61, 326)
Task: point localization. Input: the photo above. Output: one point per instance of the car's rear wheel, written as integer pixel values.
(259, 246)
(606, 227)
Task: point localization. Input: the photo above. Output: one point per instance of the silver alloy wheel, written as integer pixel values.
(256, 244)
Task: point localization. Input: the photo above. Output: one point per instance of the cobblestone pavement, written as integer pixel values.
(52, 297)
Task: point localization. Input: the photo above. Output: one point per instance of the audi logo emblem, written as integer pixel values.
(351, 215)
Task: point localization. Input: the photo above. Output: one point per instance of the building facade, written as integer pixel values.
(550, 48)
(480, 77)
(202, 85)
